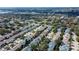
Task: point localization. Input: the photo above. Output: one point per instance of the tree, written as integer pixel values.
(34, 47)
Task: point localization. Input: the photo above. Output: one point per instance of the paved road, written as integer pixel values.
(12, 38)
(37, 39)
(19, 45)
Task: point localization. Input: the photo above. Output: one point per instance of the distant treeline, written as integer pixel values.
(69, 13)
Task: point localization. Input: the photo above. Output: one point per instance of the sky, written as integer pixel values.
(39, 3)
